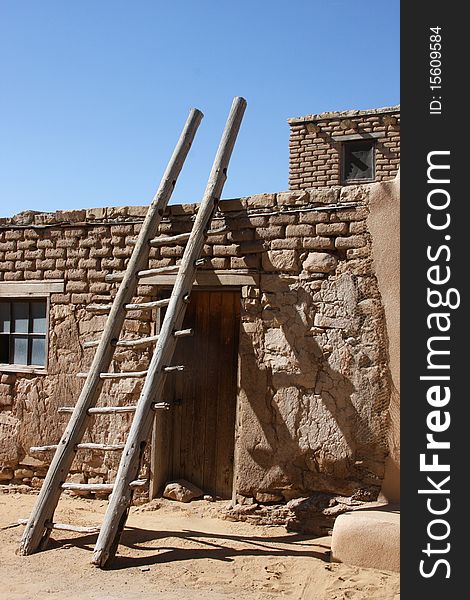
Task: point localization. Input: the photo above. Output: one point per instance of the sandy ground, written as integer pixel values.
(171, 551)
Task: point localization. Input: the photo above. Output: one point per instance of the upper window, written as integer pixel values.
(359, 161)
(23, 327)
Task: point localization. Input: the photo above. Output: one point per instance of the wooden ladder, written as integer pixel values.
(40, 522)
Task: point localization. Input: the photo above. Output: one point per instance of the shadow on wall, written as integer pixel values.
(305, 426)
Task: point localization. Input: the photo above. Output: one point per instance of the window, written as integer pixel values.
(23, 328)
(359, 161)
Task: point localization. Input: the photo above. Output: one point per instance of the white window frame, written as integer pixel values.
(31, 290)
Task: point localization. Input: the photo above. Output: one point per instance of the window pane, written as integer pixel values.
(359, 160)
(4, 349)
(20, 350)
(4, 317)
(20, 316)
(38, 351)
(38, 317)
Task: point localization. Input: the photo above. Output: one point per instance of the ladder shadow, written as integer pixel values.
(134, 538)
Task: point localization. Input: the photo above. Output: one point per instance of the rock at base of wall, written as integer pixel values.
(182, 491)
(367, 539)
(315, 515)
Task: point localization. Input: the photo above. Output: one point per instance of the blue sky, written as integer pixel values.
(94, 93)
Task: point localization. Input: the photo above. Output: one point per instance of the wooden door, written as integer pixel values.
(197, 436)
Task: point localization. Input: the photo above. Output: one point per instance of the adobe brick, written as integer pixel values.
(301, 230)
(80, 298)
(12, 275)
(101, 252)
(339, 228)
(53, 274)
(318, 243)
(269, 233)
(55, 253)
(33, 274)
(252, 261)
(16, 255)
(76, 286)
(23, 265)
(352, 241)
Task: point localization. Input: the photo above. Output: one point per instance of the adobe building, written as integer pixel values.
(291, 377)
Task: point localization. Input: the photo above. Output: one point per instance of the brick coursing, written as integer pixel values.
(315, 158)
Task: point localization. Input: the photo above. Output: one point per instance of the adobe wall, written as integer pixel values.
(316, 142)
(314, 375)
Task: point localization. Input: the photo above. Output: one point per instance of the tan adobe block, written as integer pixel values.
(16, 255)
(339, 228)
(55, 253)
(251, 247)
(318, 243)
(238, 235)
(25, 244)
(13, 275)
(80, 298)
(33, 274)
(95, 214)
(363, 252)
(286, 244)
(76, 286)
(260, 201)
(8, 265)
(34, 254)
(8, 246)
(283, 219)
(24, 265)
(230, 250)
(217, 263)
(302, 230)
(269, 233)
(102, 252)
(353, 241)
(252, 261)
(13, 234)
(45, 264)
(76, 274)
(357, 227)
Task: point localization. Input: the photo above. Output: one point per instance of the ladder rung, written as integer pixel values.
(110, 410)
(66, 527)
(146, 305)
(173, 239)
(84, 446)
(113, 277)
(182, 237)
(140, 341)
(99, 487)
(100, 410)
(98, 308)
(129, 375)
(173, 368)
(104, 308)
(156, 271)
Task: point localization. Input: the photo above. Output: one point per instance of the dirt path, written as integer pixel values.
(178, 552)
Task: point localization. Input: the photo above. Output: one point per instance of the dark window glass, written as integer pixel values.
(23, 327)
(359, 160)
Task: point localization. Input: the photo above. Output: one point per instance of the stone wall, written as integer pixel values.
(316, 143)
(314, 380)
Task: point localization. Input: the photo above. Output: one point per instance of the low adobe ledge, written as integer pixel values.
(345, 114)
(264, 203)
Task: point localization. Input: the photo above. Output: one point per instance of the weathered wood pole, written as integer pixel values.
(36, 530)
(119, 501)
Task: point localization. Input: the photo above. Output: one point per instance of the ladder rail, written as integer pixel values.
(36, 531)
(121, 496)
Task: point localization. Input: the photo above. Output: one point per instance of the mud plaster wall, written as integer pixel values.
(314, 377)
